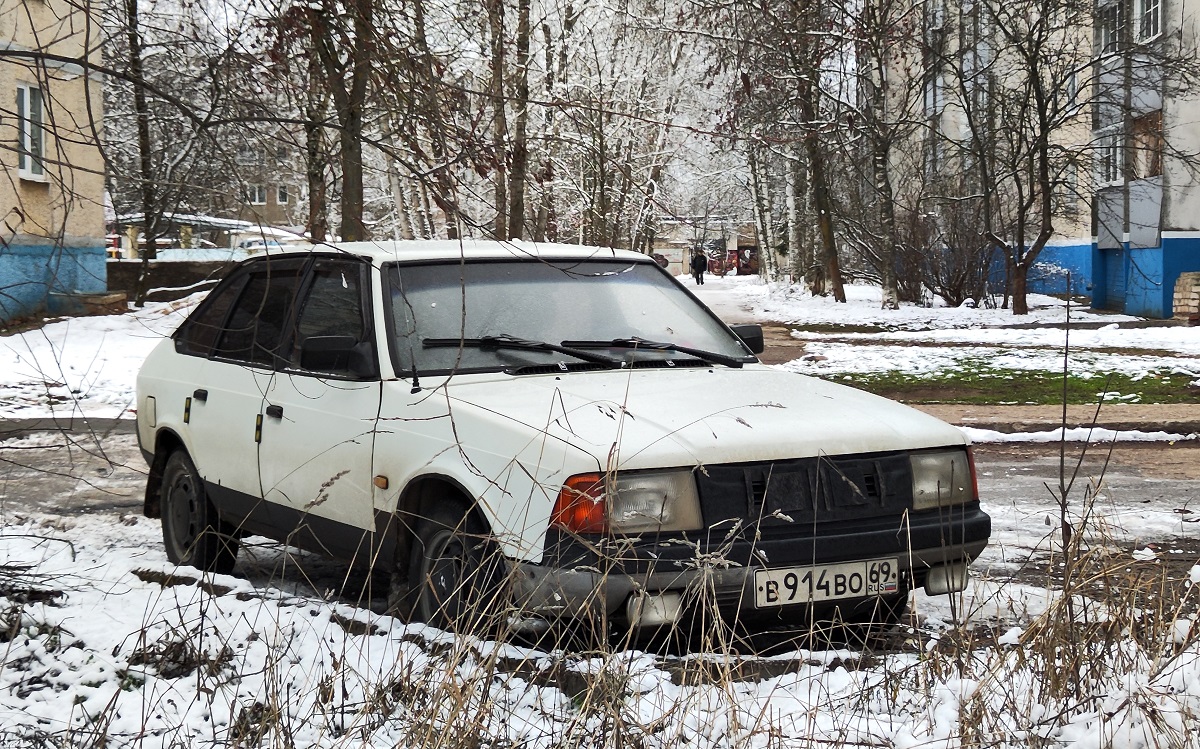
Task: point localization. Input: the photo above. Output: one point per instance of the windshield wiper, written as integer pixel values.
(640, 343)
(512, 342)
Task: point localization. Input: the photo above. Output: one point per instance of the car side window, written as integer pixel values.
(332, 312)
(198, 333)
(256, 325)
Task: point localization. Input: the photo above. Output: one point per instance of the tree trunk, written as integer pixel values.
(762, 215)
(520, 149)
(353, 228)
(314, 144)
(495, 14)
(1019, 282)
(823, 203)
(349, 98)
(145, 157)
(794, 218)
(822, 199)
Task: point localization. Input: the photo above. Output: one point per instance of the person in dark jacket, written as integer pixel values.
(699, 265)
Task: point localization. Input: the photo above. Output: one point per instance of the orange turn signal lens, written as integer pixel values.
(580, 504)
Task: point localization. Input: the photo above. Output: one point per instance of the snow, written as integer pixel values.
(125, 650)
(154, 661)
(83, 366)
(1074, 434)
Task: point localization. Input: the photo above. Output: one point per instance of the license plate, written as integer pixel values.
(825, 582)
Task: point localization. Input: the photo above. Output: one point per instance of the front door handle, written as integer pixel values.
(200, 394)
(275, 412)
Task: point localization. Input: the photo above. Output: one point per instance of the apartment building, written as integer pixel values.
(51, 170)
(1147, 207)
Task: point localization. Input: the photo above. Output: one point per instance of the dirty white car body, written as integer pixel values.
(560, 449)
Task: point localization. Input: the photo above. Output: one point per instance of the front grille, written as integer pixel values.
(806, 490)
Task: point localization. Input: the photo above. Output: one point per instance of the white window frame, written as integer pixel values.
(281, 195)
(1110, 158)
(258, 194)
(31, 133)
(1110, 21)
(1149, 18)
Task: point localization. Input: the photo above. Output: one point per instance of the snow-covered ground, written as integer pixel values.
(130, 649)
(83, 366)
(121, 649)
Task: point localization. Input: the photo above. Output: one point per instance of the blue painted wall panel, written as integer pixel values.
(1099, 278)
(1049, 274)
(1144, 287)
(29, 272)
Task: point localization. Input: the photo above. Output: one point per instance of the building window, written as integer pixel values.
(249, 156)
(281, 195)
(1110, 26)
(1147, 145)
(258, 194)
(1110, 159)
(31, 134)
(1067, 195)
(1149, 16)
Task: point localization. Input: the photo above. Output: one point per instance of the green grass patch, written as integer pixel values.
(1001, 386)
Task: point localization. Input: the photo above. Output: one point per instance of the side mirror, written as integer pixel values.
(751, 335)
(336, 354)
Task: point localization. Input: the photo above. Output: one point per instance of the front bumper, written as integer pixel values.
(724, 582)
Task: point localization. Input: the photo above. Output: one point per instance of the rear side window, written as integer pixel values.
(199, 332)
(256, 325)
(334, 304)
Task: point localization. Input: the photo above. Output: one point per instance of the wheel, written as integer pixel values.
(192, 531)
(456, 573)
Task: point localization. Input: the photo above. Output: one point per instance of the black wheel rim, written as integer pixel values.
(183, 514)
(447, 590)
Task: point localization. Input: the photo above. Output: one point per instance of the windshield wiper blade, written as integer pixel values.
(512, 342)
(711, 357)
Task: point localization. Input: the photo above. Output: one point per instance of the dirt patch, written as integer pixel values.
(1165, 460)
(779, 345)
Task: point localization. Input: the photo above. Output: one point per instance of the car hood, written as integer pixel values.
(694, 416)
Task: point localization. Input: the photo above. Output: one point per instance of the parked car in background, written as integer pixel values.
(259, 245)
(529, 432)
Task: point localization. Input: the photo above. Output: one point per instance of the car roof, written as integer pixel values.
(471, 249)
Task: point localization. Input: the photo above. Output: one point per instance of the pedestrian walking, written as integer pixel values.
(699, 265)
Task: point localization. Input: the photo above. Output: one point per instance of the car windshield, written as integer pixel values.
(548, 302)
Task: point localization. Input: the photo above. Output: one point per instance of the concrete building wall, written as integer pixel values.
(53, 217)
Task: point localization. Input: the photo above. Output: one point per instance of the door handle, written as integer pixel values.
(201, 395)
(275, 412)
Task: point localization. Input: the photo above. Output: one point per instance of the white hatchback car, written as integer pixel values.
(541, 431)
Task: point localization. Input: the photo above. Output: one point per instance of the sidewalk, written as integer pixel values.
(1176, 418)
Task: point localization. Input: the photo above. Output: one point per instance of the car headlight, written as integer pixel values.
(942, 478)
(634, 502)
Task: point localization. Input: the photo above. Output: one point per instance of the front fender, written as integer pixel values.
(510, 470)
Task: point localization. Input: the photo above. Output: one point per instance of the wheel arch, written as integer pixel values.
(166, 441)
(415, 502)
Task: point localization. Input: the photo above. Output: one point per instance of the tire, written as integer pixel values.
(456, 573)
(192, 532)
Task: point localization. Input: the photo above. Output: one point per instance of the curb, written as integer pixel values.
(13, 428)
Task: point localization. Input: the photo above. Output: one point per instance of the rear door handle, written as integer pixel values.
(201, 395)
(275, 412)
